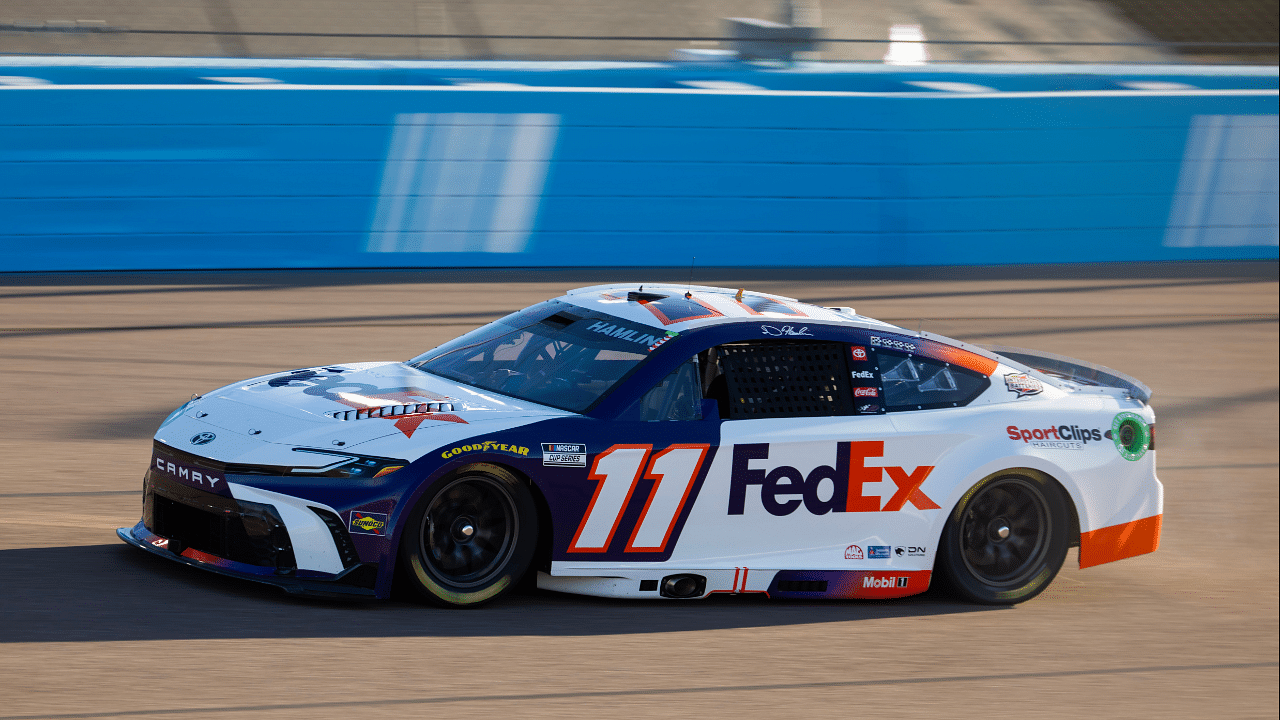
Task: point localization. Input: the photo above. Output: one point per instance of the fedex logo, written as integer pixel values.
(784, 488)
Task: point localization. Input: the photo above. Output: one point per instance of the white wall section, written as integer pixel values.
(462, 182)
(1228, 186)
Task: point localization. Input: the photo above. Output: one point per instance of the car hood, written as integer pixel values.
(309, 408)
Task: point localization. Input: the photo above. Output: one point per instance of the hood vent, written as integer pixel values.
(392, 411)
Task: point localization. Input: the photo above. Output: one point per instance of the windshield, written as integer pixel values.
(552, 353)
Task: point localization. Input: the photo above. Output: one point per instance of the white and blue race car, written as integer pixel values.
(659, 441)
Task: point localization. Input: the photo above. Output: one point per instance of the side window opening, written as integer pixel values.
(714, 384)
(677, 397)
(902, 372)
(942, 381)
(915, 383)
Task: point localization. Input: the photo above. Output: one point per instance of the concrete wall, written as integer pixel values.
(647, 165)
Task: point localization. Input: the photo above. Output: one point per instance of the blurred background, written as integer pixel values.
(1216, 31)
(227, 134)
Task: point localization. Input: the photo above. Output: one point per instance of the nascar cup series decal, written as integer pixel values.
(564, 454)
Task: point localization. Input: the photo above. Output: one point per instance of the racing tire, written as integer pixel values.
(1005, 540)
(471, 537)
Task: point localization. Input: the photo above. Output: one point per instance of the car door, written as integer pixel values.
(811, 473)
(644, 478)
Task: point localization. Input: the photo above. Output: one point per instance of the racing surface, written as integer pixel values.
(90, 627)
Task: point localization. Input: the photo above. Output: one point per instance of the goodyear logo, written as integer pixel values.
(486, 446)
(368, 523)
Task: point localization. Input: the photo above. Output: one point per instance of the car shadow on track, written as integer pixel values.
(113, 592)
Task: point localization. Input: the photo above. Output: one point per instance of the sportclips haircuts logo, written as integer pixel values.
(784, 488)
(1061, 437)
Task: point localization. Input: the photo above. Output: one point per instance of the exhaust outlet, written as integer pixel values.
(683, 586)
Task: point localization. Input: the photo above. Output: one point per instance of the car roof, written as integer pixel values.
(681, 307)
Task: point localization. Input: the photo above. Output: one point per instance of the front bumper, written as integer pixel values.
(354, 582)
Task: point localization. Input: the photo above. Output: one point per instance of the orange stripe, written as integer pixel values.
(1118, 542)
(961, 357)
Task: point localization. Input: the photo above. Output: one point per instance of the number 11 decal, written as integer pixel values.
(617, 472)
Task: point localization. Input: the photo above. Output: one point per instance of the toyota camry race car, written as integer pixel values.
(654, 441)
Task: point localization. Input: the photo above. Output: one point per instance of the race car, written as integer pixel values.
(662, 441)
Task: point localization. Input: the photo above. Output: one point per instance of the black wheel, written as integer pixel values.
(1005, 540)
(471, 537)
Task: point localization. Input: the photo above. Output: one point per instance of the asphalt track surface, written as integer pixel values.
(90, 628)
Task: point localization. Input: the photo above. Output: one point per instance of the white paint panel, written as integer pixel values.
(1228, 185)
(313, 547)
(677, 467)
(619, 470)
(462, 182)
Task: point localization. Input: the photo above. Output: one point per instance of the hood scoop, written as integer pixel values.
(386, 411)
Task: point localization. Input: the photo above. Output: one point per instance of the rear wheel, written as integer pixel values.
(1005, 540)
(471, 538)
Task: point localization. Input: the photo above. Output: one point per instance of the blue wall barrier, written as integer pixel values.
(436, 165)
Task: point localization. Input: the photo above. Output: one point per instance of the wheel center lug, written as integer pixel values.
(463, 529)
(999, 529)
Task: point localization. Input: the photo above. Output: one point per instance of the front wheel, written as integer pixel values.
(1005, 540)
(471, 538)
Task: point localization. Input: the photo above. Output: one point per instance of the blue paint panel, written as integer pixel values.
(323, 250)
(328, 178)
(194, 142)
(128, 216)
(180, 178)
(872, 147)
(839, 215)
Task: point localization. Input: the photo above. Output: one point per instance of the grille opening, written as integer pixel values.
(244, 532)
(802, 586)
(341, 538)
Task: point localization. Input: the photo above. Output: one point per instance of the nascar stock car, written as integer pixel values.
(659, 441)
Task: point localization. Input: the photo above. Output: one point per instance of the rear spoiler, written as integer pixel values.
(1076, 371)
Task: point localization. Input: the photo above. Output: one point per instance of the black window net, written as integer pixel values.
(786, 379)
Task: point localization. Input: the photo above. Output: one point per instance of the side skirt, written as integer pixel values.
(787, 584)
